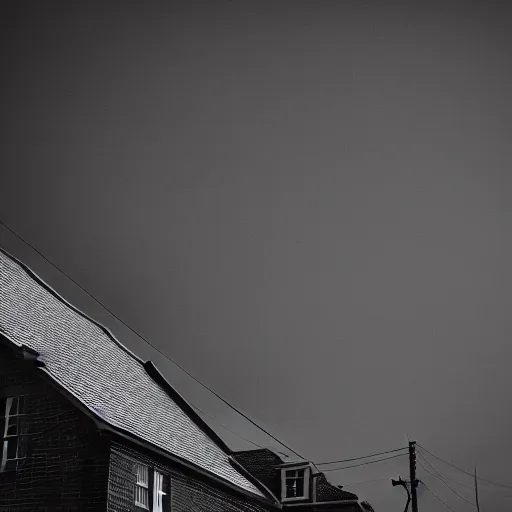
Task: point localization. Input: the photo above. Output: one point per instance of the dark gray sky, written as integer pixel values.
(306, 204)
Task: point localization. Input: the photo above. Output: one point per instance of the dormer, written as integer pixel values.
(296, 482)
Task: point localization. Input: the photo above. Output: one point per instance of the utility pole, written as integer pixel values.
(476, 492)
(412, 468)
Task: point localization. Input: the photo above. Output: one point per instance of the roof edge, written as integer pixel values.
(59, 297)
(302, 462)
(128, 436)
(156, 375)
(260, 485)
(104, 426)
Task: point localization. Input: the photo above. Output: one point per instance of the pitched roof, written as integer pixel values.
(263, 464)
(325, 491)
(86, 360)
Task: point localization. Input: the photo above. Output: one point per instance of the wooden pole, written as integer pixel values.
(412, 470)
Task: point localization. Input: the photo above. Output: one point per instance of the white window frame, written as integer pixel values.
(9, 413)
(284, 472)
(141, 486)
(158, 492)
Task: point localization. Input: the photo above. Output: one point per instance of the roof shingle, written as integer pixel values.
(92, 365)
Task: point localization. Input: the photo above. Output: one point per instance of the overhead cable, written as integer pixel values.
(441, 479)
(148, 342)
(359, 458)
(365, 463)
(437, 497)
(464, 471)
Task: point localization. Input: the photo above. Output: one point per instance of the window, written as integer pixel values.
(295, 483)
(13, 447)
(158, 484)
(141, 486)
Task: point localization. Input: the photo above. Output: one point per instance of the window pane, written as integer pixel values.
(300, 486)
(8, 406)
(141, 495)
(290, 491)
(11, 448)
(295, 481)
(157, 492)
(12, 426)
(14, 408)
(3, 458)
(22, 404)
(10, 465)
(22, 447)
(141, 479)
(22, 425)
(142, 474)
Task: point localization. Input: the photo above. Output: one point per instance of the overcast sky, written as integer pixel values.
(306, 204)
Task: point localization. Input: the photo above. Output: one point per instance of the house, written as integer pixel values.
(299, 485)
(88, 426)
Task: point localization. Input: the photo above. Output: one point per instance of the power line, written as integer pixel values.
(365, 463)
(445, 461)
(480, 489)
(435, 470)
(440, 478)
(366, 481)
(358, 458)
(494, 483)
(437, 497)
(147, 341)
(224, 426)
(464, 471)
(472, 487)
(457, 482)
(445, 476)
(232, 431)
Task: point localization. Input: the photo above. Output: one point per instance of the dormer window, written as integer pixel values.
(295, 482)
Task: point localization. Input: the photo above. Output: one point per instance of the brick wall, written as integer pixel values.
(66, 468)
(185, 493)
